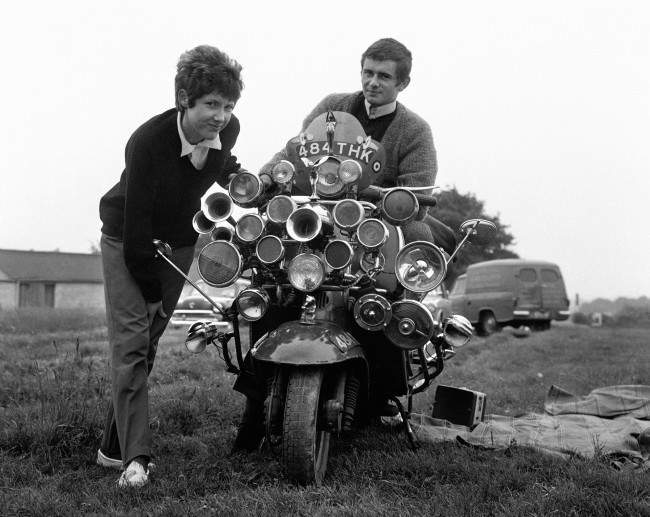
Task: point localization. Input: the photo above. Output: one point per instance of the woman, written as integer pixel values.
(171, 160)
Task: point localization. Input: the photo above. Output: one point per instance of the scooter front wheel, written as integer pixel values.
(305, 443)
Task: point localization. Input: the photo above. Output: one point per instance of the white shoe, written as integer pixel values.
(105, 461)
(134, 476)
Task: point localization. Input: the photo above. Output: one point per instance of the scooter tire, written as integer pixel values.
(305, 445)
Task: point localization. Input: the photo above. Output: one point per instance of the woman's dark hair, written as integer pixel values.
(206, 69)
(389, 48)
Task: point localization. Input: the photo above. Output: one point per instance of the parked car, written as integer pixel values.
(437, 301)
(513, 292)
(193, 307)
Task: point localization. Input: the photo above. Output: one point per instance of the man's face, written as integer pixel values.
(379, 81)
(209, 115)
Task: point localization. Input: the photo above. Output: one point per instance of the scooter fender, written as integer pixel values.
(299, 344)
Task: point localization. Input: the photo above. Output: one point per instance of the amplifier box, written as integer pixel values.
(459, 405)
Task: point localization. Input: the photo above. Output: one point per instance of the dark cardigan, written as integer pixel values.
(159, 192)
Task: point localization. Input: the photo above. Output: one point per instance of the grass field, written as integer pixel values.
(54, 387)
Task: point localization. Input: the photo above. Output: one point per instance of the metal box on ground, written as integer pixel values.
(459, 405)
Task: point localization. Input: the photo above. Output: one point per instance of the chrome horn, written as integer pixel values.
(201, 223)
(222, 231)
(305, 224)
(218, 207)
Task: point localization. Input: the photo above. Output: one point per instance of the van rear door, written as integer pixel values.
(529, 291)
(554, 292)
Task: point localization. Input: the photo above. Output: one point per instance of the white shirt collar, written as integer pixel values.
(379, 111)
(187, 148)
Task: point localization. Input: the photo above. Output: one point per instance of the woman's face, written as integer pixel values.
(209, 115)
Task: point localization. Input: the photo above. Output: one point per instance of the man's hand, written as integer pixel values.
(154, 308)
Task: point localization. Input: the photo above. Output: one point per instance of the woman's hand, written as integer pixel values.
(154, 308)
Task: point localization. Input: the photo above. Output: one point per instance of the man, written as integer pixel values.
(406, 137)
(411, 161)
(171, 160)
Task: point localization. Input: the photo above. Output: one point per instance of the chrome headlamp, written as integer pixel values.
(347, 214)
(279, 208)
(269, 249)
(420, 266)
(372, 312)
(372, 234)
(245, 189)
(199, 335)
(306, 272)
(252, 303)
(350, 171)
(249, 228)
(457, 330)
(329, 184)
(338, 254)
(283, 172)
(220, 263)
(399, 206)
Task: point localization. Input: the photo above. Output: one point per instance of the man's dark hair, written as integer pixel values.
(389, 48)
(206, 69)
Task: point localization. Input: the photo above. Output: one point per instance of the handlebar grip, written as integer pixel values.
(425, 200)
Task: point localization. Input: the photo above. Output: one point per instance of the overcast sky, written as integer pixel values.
(541, 109)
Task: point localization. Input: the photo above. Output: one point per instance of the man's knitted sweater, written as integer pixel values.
(159, 192)
(410, 154)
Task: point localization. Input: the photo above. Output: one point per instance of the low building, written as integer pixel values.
(50, 279)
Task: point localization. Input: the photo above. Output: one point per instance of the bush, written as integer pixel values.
(580, 318)
(631, 316)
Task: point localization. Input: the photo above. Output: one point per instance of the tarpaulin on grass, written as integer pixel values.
(606, 422)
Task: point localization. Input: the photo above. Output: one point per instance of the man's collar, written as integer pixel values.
(187, 148)
(379, 111)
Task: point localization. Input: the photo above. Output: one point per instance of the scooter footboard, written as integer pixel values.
(294, 343)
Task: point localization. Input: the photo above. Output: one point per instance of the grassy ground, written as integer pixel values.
(53, 390)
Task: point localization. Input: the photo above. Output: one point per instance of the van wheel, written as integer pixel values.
(487, 324)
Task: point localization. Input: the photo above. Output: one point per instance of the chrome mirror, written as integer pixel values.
(478, 230)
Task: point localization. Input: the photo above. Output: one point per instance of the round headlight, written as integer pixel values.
(348, 214)
(329, 184)
(349, 171)
(252, 303)
(217, 206)
(399, 206)
(372, 234)
(372, 312)
(306, 272)
(338, 254)
(244, 189)
(283, 171)
(249, 228)
(279, 209)
(269, 249)
(220, 263)
(420, 266)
